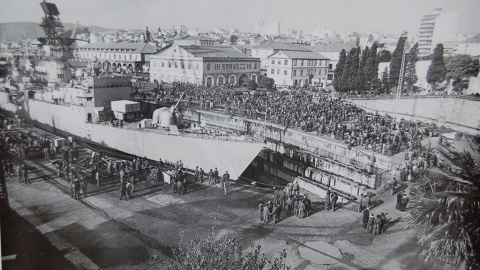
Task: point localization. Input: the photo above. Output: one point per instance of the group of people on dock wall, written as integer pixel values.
(333, 117)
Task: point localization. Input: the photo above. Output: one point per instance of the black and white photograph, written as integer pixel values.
(240, 134)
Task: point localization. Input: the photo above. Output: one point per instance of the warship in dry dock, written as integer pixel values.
(84, 106)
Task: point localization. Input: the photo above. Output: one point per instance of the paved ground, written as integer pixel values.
(50, 230)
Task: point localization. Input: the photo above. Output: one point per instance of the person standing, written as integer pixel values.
(201, 174)
(394, 186)
(371, 221)
(376, 225)
(399, 201)
(197, 174)
(123, 191)
(334, 201)
(360, 202)
(260, 207)
(366, 214)
(20, 173)
(25, 174)
(327, 200)
(215, 174)
(84, 184)
(226, 182)
(210, 177)
(403, 205)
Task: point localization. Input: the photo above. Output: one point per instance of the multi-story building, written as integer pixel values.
(264, 50)
(117, 56)
(298, 68)
(332, 52)
(202, 65)
(437, 27)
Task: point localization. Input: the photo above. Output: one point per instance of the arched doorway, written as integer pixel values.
(242, 81)
(209, 81)
(221, 80)
(232, 79)
(254, 78)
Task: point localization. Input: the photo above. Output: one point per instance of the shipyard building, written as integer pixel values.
(117, 57)
(202, 65)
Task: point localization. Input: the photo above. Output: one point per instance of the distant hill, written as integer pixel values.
(16, 31)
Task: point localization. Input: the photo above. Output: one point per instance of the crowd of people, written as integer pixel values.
(310, 112)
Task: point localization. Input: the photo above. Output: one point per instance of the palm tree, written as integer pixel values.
(446, 206)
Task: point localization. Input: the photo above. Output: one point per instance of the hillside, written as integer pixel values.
(16, 31)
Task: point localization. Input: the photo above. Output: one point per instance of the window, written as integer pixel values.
(208, 66)
(223, 66)
(294, 62)
(183, 65)
(301, 72)
(284, 72)
(169, 64)
(294, 73)
(176, 64)
(279, 62)
(273, 62)
(311, 62)
(301, 63)
(278, 71)
(330, 66)
(273, 71)
(325, 71)
(114, 56)
(255, 66)
(314, 71)
(163, 64)
(286, 62)
(189, 65)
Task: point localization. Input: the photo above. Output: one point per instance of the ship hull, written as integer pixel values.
(230, 156)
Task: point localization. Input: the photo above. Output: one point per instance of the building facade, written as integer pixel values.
(128, 57)
(201, 65)
(296, 68)
(264, 50)
(437, 27)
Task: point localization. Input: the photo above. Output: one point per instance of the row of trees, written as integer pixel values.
(358, 70)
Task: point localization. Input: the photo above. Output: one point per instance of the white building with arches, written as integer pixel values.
(203, 65)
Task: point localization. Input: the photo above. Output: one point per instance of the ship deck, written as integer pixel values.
(198, 132)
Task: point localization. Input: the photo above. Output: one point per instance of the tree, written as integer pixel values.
(353, 69)
(337, 80)
(252, 85)
(460, 67)
(437, 71)
(210, 253)
(445, 208)
(384, 56)
(396, 61)
(410, 68)
(233, 39)
(267, 82)
(371, 67)
(385, 81)
(361, 81)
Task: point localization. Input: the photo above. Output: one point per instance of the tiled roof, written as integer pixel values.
(334, 47)
(138, 47)
(303, 55)
(215, 51)
(281, 46)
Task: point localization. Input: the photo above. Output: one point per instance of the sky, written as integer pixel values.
(384, 16)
